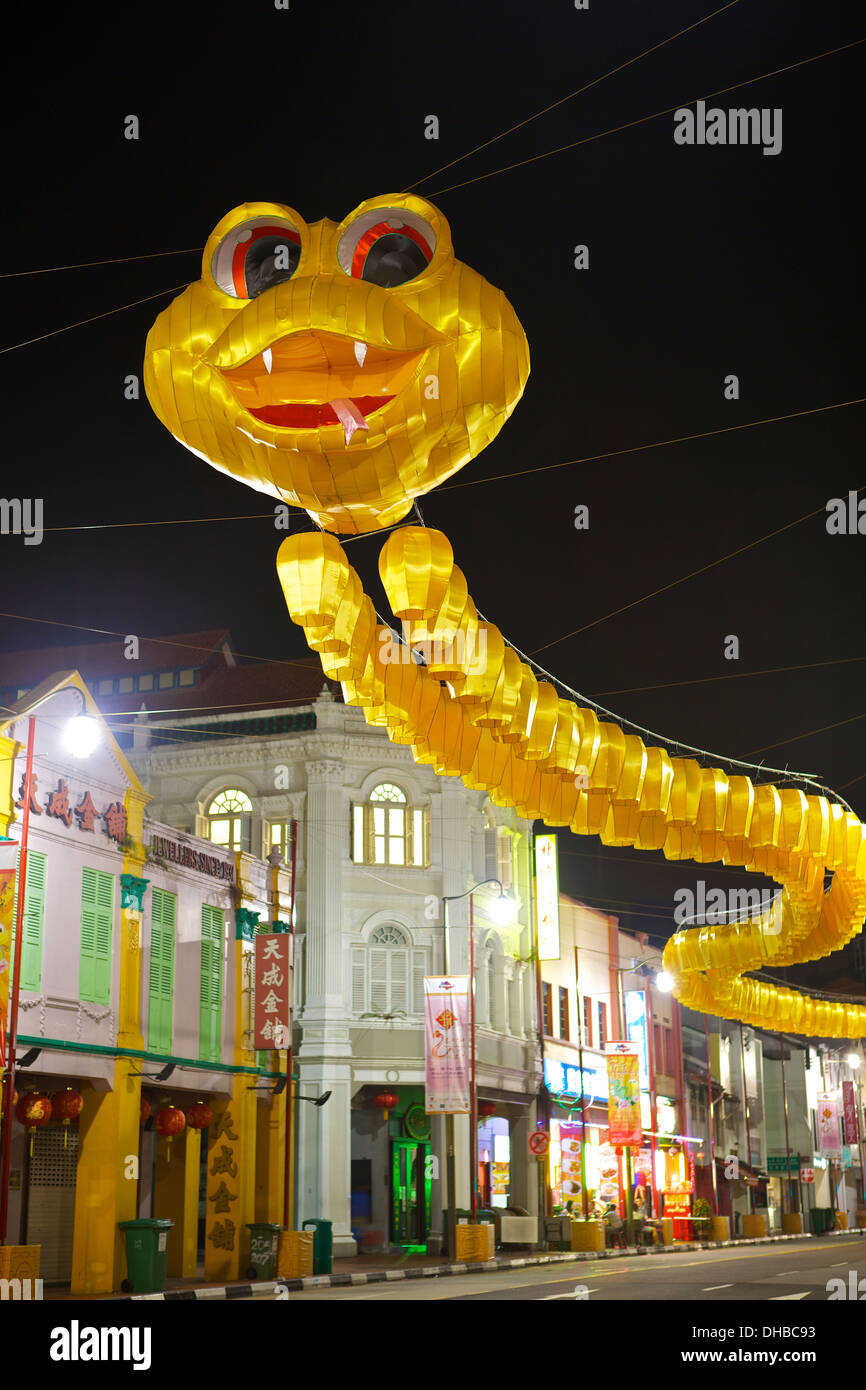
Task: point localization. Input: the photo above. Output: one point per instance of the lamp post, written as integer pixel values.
(503, 910)
(664, 982)
(81, 736)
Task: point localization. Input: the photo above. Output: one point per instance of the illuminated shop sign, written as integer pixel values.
(563, 1079)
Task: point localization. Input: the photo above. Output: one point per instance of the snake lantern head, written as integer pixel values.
(346, 369)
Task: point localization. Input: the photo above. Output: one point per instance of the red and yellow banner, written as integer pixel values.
(623, 1080)
(273, 1020)
(446, 1044)
(8, 860)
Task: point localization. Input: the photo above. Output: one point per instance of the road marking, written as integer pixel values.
(711, 1287)
(781, 1297)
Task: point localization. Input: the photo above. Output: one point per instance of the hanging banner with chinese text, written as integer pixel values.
(8, 860)
(547, 897)
(446, 1044)
(273, 1019)
(849, 1113)
(623, 1080)
(829, 1128)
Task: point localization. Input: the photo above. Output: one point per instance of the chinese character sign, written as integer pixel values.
(849, 1112)
(446, 1044)
(547, 897)
(623, 1079)
(8, 856)
(273, 1023)
(829, 1128)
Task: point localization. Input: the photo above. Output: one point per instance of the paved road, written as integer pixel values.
(790, 1271)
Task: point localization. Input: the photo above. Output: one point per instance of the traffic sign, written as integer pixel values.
(539, 1143)
(807, 1175)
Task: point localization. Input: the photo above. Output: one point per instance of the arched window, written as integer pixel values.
(228, 819)
(388, 974)
(386, 829)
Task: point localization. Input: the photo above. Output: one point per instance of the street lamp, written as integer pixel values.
(80, 737)
(503, 910)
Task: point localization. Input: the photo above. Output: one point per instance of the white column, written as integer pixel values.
(324, 1057)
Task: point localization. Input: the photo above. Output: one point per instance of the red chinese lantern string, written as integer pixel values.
(67, 1105)
(198, 1115)
(486, 1108)
(144, 1110)
(386, 1100)
(170, 1120)
(32, 1111)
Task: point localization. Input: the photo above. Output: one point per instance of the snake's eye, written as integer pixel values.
(387, 246)
(255, 256)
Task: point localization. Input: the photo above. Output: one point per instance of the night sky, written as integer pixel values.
(703, 262)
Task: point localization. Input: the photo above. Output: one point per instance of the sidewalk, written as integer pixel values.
(382, 1268)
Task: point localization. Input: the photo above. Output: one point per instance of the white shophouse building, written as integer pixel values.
(381, 841)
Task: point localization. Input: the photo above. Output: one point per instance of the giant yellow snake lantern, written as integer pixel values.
(348, 369)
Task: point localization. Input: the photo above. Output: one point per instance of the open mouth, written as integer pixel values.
(311, 379)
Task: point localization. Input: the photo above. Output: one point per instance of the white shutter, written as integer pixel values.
(359, 982)
(504, 862)
(419, 970)
(399, 982)
(491, 860)
(379, 981)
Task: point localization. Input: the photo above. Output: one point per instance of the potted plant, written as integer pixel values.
(701, 1213)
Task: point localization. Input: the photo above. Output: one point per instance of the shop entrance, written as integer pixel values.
(410, 1192)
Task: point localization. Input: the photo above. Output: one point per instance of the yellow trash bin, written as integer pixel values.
(754, 1225)
(475, 1243)
(587, 1235)
(295, 1255)
(721, 1228)
(792, 1223)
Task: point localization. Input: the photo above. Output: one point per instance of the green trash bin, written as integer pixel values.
(823, 1220)
(264, 1245)
(323, 1244)
(146, 1249)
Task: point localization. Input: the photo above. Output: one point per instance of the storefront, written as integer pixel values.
(390, 1171)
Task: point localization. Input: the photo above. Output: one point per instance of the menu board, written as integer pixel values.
(569, 1139)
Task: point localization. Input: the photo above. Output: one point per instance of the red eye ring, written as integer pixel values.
(240, 253)
(385, 229)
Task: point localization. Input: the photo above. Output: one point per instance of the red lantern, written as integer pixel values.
(32, 1111)
(386, 1100)
(67, 1105)
(144, 1110)
(198, 1115)
(170, 1120)
(486, 1108)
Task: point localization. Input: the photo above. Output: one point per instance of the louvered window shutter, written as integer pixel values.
(491, 861)
(210, 1021)
(97, 922)
(160, 1009)
(34, 920)
(379, 981)
(399, 1000)
(359, 982)
(419, 970)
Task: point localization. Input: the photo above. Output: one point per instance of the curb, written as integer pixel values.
(278, 1287)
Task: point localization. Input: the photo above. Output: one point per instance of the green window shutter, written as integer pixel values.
(210, 989)
(34, 920)
(160, 1008)
(97, 930)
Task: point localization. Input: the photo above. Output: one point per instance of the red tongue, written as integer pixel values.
(312, 415)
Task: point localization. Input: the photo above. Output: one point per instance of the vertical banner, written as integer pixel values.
(8, 859)
(623, 1080)
(571, 1179)
(273, 1019)
(849, 1113)
(446, 1044)
(547, 897)
(829, 1128)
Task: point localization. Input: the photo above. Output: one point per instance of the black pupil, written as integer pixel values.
(268, 261)
(392, 260)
